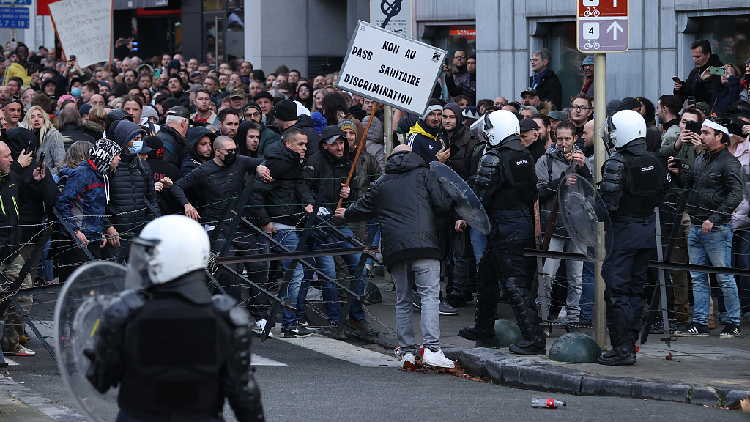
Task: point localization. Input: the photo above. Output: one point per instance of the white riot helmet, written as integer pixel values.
(499, 125)
(167, 248)
(622, 128)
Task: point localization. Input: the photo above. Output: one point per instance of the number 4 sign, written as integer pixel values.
(602, 26)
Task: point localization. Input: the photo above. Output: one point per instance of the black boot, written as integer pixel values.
(622, 339)
(475, 333)
(534, 339)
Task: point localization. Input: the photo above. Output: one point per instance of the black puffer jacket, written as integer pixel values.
(281, 200)
(715, 187)
(128, 187)
(407, 200)
(72, 133)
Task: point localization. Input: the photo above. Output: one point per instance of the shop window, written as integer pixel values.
(457, 37)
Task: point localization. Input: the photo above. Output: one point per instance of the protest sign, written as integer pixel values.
(390, 69)
(84, 28)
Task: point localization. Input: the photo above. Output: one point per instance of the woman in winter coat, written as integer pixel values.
(48, 140)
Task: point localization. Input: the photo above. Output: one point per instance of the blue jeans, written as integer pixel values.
(714, 248)
(289, 239)
(741, 255)
(328, 266)
(587, 292)
(478, 243)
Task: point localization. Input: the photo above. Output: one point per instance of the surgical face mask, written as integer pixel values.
(76, 92)
(136, 148)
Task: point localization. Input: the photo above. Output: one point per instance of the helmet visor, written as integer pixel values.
(141, 255)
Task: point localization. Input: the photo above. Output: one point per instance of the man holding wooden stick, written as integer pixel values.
(334, 161)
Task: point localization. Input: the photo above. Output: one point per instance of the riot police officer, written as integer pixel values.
(634, 182)
(202, 353)
(506, 183)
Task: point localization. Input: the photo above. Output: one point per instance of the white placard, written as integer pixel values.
(84, 28)
(390, 69)
(397, 12)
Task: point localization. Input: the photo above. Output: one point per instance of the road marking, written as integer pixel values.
(344, 351)
(256, 360)
(10, 362)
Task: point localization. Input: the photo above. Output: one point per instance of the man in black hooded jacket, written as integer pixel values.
(325, 173)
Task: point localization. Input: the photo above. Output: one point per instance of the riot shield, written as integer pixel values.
(466, 202)
(581, 211)
(745, 178)
(79, 310)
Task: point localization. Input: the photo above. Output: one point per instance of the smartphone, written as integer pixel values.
(677, 163)
(73, 58)
(716, 70)
(694, 127)
(691, 101)
(41, 161)
(676, 79)
(157, 73)
(747, 79)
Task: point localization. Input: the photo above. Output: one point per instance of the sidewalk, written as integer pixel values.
(20, 404)
(704, 370)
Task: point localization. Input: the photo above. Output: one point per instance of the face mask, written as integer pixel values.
(229, 158)
(136, 148)
(76, 92)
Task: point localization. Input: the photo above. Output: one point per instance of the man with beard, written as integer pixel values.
(198, 145)
(229, 121)
(462, 142)
(334, 161)
(588, 77)
(426, 138)
(459, 82)
(580, 111)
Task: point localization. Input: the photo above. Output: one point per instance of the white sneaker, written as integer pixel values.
(436, 359)
(408, 358)
(260, 325)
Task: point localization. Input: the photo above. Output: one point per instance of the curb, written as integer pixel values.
(47, 407)
(513, 371)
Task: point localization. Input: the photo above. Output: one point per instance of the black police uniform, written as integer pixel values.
(506, 183)
(634, 182)
(176, 353)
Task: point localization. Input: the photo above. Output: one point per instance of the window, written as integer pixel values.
(457, 37)
(566, 59)
(729, 38)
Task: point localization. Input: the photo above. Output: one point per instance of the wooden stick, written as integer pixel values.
(356, 156)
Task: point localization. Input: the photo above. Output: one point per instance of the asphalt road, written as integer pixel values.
(321, 379)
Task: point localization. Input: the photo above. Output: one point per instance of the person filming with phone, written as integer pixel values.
(726, 94)
(703, 59)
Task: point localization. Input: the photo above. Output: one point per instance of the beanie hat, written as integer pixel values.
(628, 103)
(285, 110)
(102, 154)
(348, 124)
(432, 106)
(588, 60)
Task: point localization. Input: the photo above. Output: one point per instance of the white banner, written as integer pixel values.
(390, 69)
(395, 13)
(84, 28)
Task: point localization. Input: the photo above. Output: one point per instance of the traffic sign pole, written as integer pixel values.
(602, 27)
(600, 115)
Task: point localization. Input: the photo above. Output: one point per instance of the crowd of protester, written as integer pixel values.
(107, 147)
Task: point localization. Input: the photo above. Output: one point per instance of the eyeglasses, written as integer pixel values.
(459, 57)
(579, 108)
(229, 150)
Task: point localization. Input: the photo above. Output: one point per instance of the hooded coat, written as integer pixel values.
(462, 141)
(241, 140)
(174, 145)
(191, 160)
(407, 200)
(324, 174)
